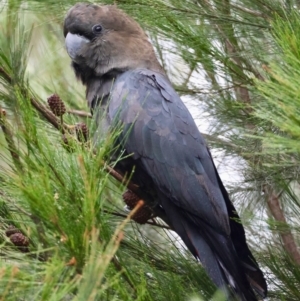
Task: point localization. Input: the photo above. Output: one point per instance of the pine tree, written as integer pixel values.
(65, 234)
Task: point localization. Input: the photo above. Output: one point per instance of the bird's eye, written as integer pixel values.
(97, 29)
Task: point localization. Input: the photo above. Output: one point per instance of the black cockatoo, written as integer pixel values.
(114, 59)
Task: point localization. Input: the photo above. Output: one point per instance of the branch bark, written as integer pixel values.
(286, 235)
(10, 141)
(79, 113)
(44, 112)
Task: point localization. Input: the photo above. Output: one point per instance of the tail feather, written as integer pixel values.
(216, 253)
(250, 266)
(207, 258)
(223, 253)
(238, 238)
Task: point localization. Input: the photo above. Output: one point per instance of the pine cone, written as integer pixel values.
(12, 230)
(20, 241)
(82, 132)
(56, 105)
(143, 214)
(130, 199)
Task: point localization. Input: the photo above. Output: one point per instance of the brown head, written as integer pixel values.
(103, 39)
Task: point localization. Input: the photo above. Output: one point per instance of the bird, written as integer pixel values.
(165, 152)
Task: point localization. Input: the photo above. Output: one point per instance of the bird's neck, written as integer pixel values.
(98, 89)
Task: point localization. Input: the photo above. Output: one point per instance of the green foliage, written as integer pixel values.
(281, 92)
(239, 60)
(60, 197)
(277, 113)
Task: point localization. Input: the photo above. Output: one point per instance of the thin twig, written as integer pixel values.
(10, 141)
(152, 223)
(249, 11)
(48, 115)
(119, 268)
(5, 75)
(80, 113)
(122, 179)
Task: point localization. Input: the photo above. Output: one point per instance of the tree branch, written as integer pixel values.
(248, 11)
(47, 114)
(79, 113)
(10, 141)
(286, 235)
(152, 223)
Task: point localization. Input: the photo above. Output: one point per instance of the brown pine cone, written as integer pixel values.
(82, 132)
(56, 105)
(11, 230)
(143, 214)
(130, 199)
(20, 241)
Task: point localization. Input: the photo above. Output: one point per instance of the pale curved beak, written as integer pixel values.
(74, 43)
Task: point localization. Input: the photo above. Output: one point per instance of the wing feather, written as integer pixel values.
(165, 138)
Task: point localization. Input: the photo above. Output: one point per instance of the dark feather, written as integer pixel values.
(168, 147)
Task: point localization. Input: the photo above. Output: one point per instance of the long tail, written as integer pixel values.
(216, 253)
(238, 238)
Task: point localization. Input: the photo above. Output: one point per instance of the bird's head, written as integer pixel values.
(103, 39)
